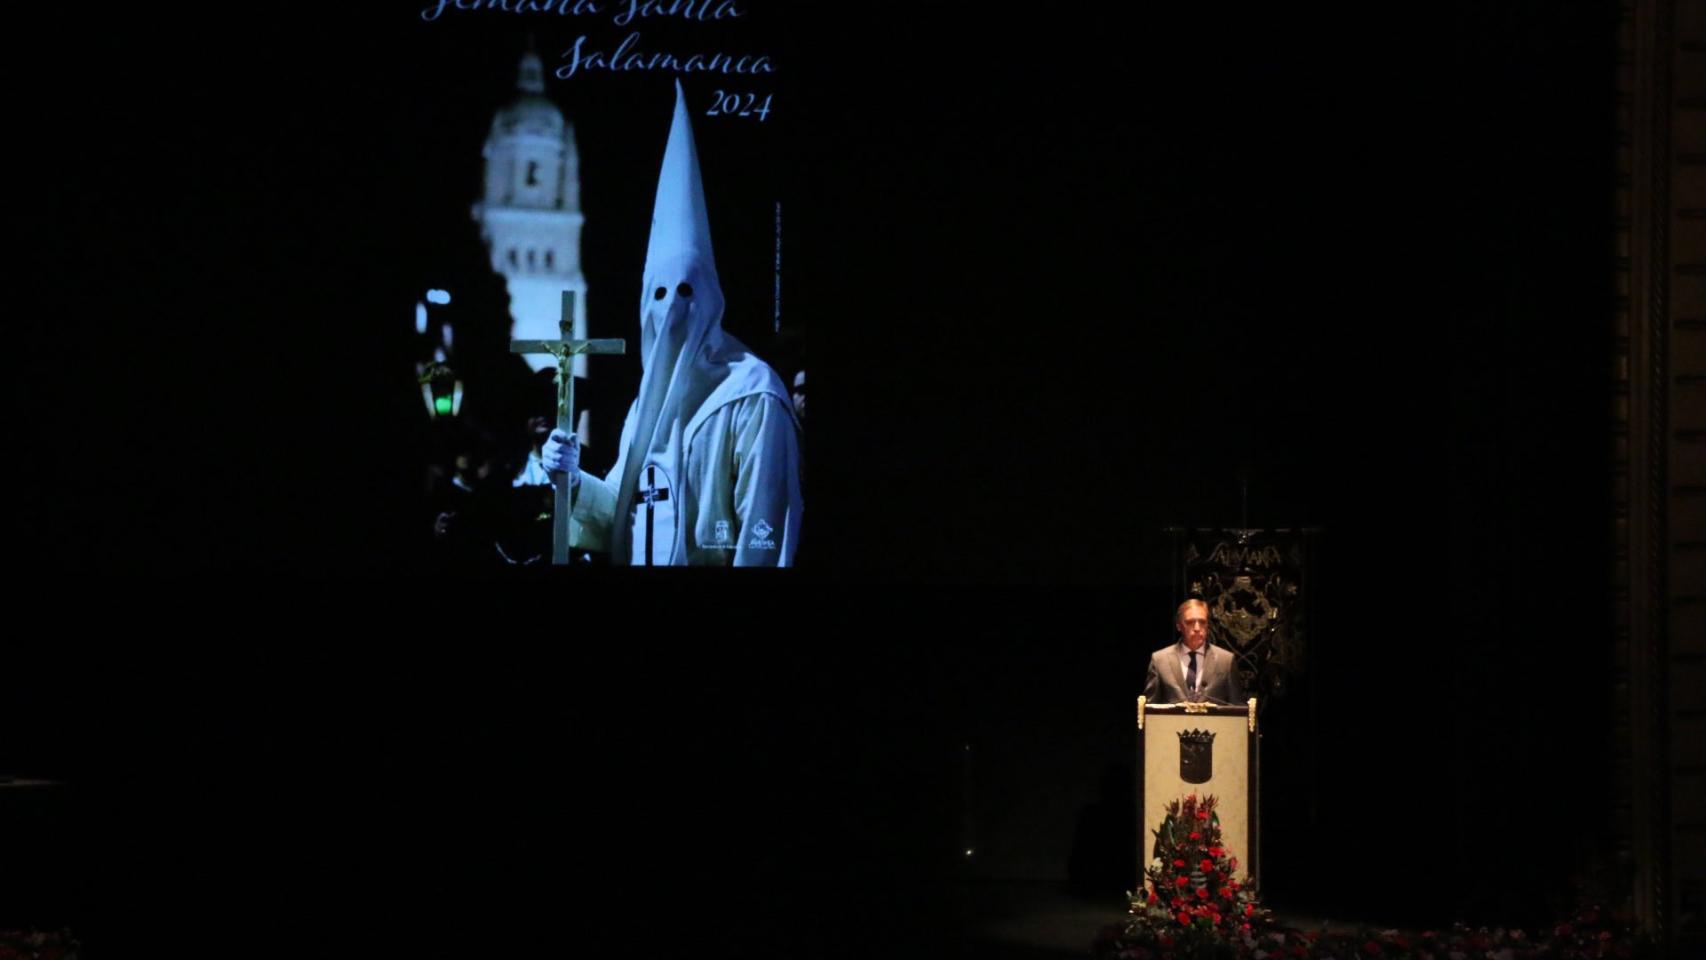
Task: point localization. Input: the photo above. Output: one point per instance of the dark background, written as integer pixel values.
(1065, 279)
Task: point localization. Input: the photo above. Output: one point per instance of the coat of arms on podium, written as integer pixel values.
(1196, 756)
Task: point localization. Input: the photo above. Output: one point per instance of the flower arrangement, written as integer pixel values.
(37, 945)
(1584, 937)
(1196, 907)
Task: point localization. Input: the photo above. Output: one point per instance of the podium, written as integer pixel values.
(1204, 749)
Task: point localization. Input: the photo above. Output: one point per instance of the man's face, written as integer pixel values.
(1192, 624)
(538, 430)
(800, 394)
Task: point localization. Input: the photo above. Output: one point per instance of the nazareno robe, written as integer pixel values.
(727, 492)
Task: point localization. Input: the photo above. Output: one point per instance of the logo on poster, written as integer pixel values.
(761, 536)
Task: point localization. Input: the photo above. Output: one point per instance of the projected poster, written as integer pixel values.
(599, 191)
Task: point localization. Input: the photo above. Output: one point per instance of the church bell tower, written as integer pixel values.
(530, 215)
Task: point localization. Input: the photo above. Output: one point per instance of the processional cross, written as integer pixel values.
(565, 350)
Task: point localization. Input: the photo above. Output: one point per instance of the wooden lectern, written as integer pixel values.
(1204, 749)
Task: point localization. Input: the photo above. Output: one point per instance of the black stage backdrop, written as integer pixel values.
(1069, 276)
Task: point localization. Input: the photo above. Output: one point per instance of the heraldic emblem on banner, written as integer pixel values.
(1253, 583)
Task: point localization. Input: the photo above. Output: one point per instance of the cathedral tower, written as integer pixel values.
(530, 216)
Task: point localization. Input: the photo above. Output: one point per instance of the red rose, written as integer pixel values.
(1226, 893)
(1180, 881)
(1152, 898)
(1184, 919)
(1216, 851)
(1207, 866)
(1195, 835)
(1202, 893)
(1233, 863)
(1179, 863)
(1249, 909)
(1245, 927)
(1202, 814)
(1234, 884)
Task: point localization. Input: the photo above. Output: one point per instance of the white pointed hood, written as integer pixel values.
(681, 300)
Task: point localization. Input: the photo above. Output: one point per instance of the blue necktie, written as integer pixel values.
(1191, 674)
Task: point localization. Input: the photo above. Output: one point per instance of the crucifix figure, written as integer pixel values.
(565, 350)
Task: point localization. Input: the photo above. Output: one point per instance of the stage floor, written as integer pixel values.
(1043, 919)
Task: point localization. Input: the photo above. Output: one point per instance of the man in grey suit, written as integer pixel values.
(1191, 669)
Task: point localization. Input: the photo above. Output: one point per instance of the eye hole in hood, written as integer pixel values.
(683, 289)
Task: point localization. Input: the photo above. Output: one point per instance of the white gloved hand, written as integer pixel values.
(562, 455)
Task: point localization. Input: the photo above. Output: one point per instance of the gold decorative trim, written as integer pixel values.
(1140, 702)
(1195, 706)
(1252, 714)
